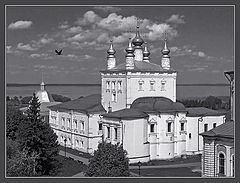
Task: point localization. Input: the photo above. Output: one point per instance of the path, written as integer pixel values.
(79, 158)
(196, 164)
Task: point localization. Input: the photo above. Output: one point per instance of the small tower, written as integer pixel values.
(137, 42)
(146, 53)
(111, 60)
(129, 56)
(42, 86)
(165, 62)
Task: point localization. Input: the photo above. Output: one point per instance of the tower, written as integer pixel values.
(129, 56)
(146, 53)
(165, 62)
(137, 42)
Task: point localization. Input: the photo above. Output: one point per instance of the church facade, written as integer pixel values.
(137, 108)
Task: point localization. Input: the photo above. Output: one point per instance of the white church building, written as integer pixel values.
(137, 107)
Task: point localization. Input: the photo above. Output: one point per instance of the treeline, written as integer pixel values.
(17, 101)
(210, 102)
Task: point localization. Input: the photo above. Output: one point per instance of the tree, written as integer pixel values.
(60, 98)
(14, 117)
(37, 137)
(109, 161)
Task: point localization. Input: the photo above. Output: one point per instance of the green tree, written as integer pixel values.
(108, 161)
(37, 137)
(60, 98)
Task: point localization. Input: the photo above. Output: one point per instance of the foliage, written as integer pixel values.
(37, 137)
(15, 102)
(14, 117)
(109, 161)
(26, 100)
(209, 102)
(60, 98)
(19, 163)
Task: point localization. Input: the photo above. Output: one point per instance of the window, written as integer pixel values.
(116, 131)
(189, 135)
(69, 122)
(163, 83)
(108, 132)
(140, 85)
(76, 143)
(119, 85)
(113, 85)
(82, 123)
(152, 86)
(100, 126)
(69, 141)
(169, 128)
(81, 144)
(232, 165)
(205, 127)
(182, 126)
(75, 124)
(63, 121)
(214, 125)
(221, 164)
(152, 128)
(114, 97)
(108, 85)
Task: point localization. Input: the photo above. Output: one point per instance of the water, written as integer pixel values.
(76, 91)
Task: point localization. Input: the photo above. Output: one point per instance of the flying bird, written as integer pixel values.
(58, 52)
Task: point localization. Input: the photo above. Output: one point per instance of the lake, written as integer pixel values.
(75, 91)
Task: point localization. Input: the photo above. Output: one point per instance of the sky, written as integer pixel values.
(200, 38)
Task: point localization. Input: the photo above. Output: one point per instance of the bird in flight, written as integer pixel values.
(58, 52)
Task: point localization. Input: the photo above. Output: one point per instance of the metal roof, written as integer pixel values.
(202, 111)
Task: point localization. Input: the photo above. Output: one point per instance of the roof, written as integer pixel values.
(202, 111)
(139, 66)
(44, 96)
(157, 104)
(126, 114)
(224, 130)
(88, 104)
(43, 107)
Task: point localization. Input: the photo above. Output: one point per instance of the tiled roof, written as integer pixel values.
(126, 114)
(88, 104)
(140, 66)
(223, 130)
(157, 104)
(202, 111)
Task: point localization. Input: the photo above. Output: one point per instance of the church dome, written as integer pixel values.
(43, 95)
(137, 41)
(157, 104)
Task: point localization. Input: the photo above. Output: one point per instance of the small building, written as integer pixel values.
(218, 151)
(77, 121)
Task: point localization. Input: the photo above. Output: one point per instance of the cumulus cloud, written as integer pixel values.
(10, 49)
(26, 47)
(37, 55)
(21, 24)
(74, 29)
(89, 17)
(108, 9)
(64, 25)
(176, 19)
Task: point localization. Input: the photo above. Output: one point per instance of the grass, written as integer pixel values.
(167, 172)
(76, 152)
(177, 160)
(69, 167)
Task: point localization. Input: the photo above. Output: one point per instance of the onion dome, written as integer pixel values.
(165, 50)
(137, 41)
(129, 49)
(111, 50)
(146, 53)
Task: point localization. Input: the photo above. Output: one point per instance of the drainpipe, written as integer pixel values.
(120, 121)
(199, 120)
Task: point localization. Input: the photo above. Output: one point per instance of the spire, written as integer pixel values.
(42, 84)
(165, 62)
(111, 61)
(137, 41)
(129, 56)
(146, 53)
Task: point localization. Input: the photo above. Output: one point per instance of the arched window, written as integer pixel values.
(221, 164)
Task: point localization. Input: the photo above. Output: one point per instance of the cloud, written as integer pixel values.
(108, 9)
(64, 25)
(74, 29)
(45, 66)
(37, 55)
(26, 47)
(90, 17)
(176, 19)
(87, 57)
(10, 49)
(20, 25)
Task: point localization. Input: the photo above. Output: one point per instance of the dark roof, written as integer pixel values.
(140, 66)
(202, 111)
(88, 104)
(223, 130)
(157, 104)
(126, 114)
